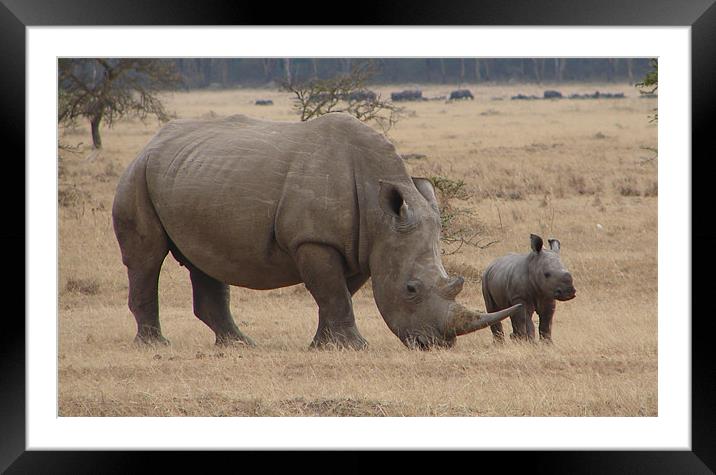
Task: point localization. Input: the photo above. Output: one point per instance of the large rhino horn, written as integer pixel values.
(464, 320)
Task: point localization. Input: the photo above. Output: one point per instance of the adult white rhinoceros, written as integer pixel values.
(264, 205)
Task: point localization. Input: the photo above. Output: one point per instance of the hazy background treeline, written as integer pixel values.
(102, 90)
(228, 72)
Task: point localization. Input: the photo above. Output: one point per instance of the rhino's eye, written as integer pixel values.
(413, 290)
(547, 274)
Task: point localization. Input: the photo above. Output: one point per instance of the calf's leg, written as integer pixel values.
(498, 333)
(545, 323)
(521, 321)
(530, 328)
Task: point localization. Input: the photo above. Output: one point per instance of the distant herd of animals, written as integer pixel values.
(463, 94)
(552, 94)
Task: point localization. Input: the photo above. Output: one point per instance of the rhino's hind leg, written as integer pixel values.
(211, 306)
(498, 333)
(321, 269)
(530, 328)
(523, 329)
(144, 303)
(144, 246)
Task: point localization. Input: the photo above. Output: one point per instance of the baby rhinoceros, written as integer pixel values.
(536, 280)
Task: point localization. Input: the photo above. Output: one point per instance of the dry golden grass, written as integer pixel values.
(559, 168)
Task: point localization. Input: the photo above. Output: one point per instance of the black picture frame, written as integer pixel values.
(16, 15)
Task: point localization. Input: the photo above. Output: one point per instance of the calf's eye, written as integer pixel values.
(547, 274)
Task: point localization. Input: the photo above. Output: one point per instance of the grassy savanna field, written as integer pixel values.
(575, 170)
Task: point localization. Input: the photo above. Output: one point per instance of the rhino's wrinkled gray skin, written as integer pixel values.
(265, 205)
(536, 280)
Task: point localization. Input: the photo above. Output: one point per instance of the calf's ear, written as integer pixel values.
(536, 242)
(554, 244)
(426, 188)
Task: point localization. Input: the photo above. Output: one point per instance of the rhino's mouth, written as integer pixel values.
(564, 295)
(426, 342)
(459, 321)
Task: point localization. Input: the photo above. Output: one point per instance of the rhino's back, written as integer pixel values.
(506, 279)
(237, 195)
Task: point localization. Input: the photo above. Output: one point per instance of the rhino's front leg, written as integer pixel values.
(545, 321)
(355, 282)
(321, 269)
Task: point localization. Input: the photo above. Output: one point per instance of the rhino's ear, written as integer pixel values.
(426, 188)
(536, 242)
(391, 200)
(554, 245)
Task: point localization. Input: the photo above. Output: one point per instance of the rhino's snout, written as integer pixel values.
(566, 293)
(425, 342)
(563, 297)
(565, 290)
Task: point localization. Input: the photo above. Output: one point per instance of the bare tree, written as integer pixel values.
(267, 64)
(559, 65)
(538, 65)
(487, 63)
(562, 65)
(650, 83)
(287, 70)
(221, 66)
(457, 224)
(478, 76)
(345, 65)
(611, 69)
(103, 90)
(344, 93)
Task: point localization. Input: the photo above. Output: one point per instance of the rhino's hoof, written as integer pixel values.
(150, 340)
(235, 341)
(523, 339)
(339, 344)
(344, 337)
